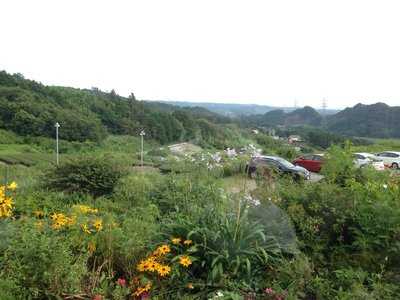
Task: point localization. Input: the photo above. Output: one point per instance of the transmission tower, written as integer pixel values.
(324, 106)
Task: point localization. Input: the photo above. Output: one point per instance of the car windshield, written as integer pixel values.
(285, 163)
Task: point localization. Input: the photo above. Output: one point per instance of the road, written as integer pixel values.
(315, 177)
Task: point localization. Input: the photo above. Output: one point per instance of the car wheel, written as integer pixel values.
(251, 172)
(395, 165)
(297, 177)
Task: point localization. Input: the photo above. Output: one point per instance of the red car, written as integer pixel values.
(311, 162)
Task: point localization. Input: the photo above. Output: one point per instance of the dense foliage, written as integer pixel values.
(95, 176)
(29, 108)
(189, 224)
(190, 234)
(377, 120)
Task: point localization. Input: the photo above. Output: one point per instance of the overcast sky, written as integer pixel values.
(264, 52)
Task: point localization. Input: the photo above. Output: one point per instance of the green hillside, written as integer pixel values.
(377, 120)
(29, 108)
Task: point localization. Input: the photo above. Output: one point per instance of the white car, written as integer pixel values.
(390, 158)
(363, 159)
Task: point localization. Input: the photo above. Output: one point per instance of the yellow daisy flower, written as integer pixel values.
(176, 241)
(188, 242)
(185, 261)
(163, 270)
(98, 224)
(13, 186)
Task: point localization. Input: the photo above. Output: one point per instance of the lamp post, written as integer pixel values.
(142, 134)
(57, 126)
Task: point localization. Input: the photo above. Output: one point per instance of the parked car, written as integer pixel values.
(311, 162)
(363, 159)
(278, 164)
(390, 158)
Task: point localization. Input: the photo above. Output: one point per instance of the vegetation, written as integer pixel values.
(96, 232)
(373, 121)
(28, 108)
(377, 121)
(185, 225)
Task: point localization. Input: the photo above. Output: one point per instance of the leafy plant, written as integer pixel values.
(92, 175)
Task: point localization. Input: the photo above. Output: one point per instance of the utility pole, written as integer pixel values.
(57, 154)
(142, 134)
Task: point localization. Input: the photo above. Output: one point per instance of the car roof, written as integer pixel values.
(395, 152)
(267, 157)
(364, 153)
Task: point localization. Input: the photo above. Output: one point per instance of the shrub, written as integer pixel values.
(39, 266)
(95, 176)
(229, 250)
(339, 165)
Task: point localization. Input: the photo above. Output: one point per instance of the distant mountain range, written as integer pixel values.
(235, 110)
(376, 120)
(278, 117)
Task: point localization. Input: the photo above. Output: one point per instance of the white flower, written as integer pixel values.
(385, 186)
(251, 200)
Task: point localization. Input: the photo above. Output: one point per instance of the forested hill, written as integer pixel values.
(376, 120)
(29, 108)
(302, 116)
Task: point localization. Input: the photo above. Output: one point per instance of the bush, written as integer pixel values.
(94, 176)
(39, 266)
(339, 165)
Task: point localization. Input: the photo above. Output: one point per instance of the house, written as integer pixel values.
(294, 139)
(255, 131)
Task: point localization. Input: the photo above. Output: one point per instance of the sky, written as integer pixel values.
(263, 52)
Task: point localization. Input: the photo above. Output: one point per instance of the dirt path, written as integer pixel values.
(239, 183)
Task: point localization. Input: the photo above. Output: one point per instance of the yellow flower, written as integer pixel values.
(147, 287)
(162, 250)
(59, 221)
(176, 241)
(85, 229)
(71, 220)
(163, 270)
(141, 290)
(142, 266)
(91, 247)
(153, 266)
(187, 242)
(38, 213)
(98, 224)
(84, 209)
(13, 186)
(39, 224)
(6, 203)
(185, 261)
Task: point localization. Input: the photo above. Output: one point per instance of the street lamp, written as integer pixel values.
(142, 134)
(57, 126)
